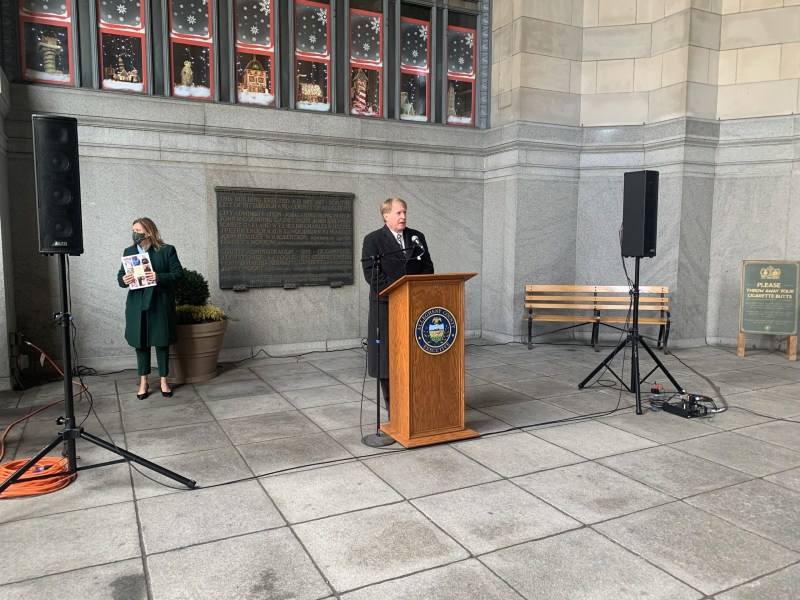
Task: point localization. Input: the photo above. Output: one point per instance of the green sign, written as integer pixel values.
(769, 297)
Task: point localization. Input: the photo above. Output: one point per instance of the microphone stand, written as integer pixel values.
(378, 439)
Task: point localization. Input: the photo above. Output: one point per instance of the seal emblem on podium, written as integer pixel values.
(436, 330)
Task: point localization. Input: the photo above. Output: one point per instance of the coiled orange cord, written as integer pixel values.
(56, 469)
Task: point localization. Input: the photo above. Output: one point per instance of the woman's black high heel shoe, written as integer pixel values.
(166, 394)
(146, 393)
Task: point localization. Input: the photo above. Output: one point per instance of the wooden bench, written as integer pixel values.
(597, 305)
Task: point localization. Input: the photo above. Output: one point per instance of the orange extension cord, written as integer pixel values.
(44, 466)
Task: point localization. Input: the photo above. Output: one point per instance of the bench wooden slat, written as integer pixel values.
(597, 305)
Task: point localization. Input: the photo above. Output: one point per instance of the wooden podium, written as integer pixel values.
(427, 380)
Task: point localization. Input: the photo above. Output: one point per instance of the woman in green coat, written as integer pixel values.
(150, 318)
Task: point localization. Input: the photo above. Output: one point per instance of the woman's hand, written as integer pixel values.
(151, 276)
(127, 279)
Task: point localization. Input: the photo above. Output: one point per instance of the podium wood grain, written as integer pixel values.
(427, 390)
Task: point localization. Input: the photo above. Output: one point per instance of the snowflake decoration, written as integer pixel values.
(469, 40)
(312, 39)
(414, 53)
(122, 9)
(423, 31)
(322, 16)
(461, 60)
(263, 6)
(254, 30)
(366, 47)
(375, 24)
(191, 19)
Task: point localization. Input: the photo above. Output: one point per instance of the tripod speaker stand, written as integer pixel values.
(71, 432)
(635, 340)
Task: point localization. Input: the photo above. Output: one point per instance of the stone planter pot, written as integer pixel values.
(193, 358)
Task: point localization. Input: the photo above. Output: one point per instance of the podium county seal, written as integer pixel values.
(436, 330)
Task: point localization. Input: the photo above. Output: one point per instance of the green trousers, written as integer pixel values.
(143, 360)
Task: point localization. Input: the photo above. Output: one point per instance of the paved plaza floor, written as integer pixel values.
(568, 493)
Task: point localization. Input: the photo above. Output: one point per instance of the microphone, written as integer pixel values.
(418, 244)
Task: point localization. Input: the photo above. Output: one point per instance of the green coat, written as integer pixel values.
(158, 301)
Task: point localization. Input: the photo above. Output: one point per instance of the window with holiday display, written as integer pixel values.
(121, 25)
(414, 69)
(366, 63)
(254, 52)
(312, 57)
(191, 48)
(460, 75)
(46, 41)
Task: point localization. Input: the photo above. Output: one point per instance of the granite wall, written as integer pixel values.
(7, 312)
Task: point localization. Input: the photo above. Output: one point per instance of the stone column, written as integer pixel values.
(7, 313)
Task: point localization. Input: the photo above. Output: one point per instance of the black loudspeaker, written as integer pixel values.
(640, 214)
(58, 185)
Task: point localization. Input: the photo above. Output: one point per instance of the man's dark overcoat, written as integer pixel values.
(157, 301)
(392, 268)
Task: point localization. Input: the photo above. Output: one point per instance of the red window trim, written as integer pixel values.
(426, 71)
(127, 31)
(63, 21)
(192, 40)
(466, 78)
(367, 65)
(315, 56)
(259, 49)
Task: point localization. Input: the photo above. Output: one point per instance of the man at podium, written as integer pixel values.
(387, 254)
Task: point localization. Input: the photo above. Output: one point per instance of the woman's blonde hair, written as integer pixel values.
(152, 231)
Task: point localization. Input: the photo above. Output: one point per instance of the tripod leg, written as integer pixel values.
(635, 383)
(661, 366)
(138, 459)
(24, 468)
(605, 362)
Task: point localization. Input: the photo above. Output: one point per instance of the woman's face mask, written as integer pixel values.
(138, 238)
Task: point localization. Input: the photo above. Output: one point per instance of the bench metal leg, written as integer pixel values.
(666, 338)
(530, 329)
(660, 341)
(595, 335)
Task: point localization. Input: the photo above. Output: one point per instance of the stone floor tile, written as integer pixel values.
(232, 389)
(428, 471)
(248, 406)
(45, 545)
(466, 579)
(527, 414)
(477, 361)
(591, 402)
(782, 433)
(259, 428)
(267, 564)
(788, 479)
(516, 454)
(541, 387)
(156, 443)
(669, 470)
(341, 416)
(734, 418)
(772, 402)
(274, 456)
(482, 423)
(494, 515)
(591, 439)
(706, 552)
(365, 547)
(491, 394)
(501, 374)
(285, 383)
(750, 455)
(590, 492)
(783, 585)
(318, 493)
(203, 515)
(93, 487)
(228, 373)
(206, 467)
(166, 416)
(312, 397)
(285, 369)
(749, 379)
(351, 438)
(122, 580)
(99, 404)
(339, 363)
(660, 427)
(583, 564)
(353, 376)
(775, 516)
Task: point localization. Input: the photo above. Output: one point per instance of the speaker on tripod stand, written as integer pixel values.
(58, 200)
(639, 232)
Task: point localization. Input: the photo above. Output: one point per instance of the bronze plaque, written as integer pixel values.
(769, 297)
(284, 238)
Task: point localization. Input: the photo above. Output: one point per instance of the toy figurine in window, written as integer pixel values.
(359, 92)
(122, 74)
(254, 78)
(406, 108)
(451, 101)
(187, 75)
(49, 50)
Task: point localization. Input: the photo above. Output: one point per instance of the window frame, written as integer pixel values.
(62, 21)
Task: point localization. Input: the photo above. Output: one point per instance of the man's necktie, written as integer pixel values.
(400, 240)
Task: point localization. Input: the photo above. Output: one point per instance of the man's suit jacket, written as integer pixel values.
(393, 267)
